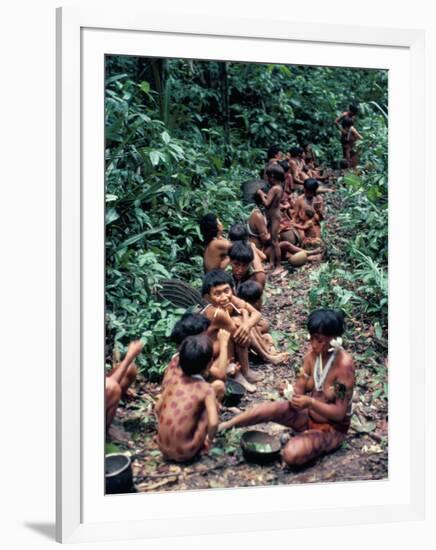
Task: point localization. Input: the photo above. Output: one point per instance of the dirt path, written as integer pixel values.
(363, 456)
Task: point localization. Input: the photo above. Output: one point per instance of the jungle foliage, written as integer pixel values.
(181, 136)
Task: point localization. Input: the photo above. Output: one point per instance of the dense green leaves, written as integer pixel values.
(179, 142)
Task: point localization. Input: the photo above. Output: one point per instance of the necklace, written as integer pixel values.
(320, 373)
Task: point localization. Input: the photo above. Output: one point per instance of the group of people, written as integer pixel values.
(216, 343)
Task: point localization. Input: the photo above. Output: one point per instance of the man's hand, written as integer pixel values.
(242, 334)
(301, 401)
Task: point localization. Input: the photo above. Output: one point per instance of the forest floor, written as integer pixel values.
(362, 456)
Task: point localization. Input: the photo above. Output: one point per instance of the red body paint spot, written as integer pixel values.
(168, 422)
(179, 393)
(187, 407)
(183, 419)
(176, 412)
(197, 386)
(173, 405)
(179, 433)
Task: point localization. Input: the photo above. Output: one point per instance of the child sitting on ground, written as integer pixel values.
(191, 324)
(244, 265)
(239, 232)
(215, 253)
(311, 200)
(188, 415)
(251, 292)
(226, 311)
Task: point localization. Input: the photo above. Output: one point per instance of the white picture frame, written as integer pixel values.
(83, 512)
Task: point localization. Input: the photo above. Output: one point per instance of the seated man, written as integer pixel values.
(215, 253)
(226, 311)
(119, 379)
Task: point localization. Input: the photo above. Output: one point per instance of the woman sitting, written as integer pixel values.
(318, 406)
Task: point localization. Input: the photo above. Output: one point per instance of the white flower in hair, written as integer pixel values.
(335, 343)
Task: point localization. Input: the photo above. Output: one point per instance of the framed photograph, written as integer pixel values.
(163, 121)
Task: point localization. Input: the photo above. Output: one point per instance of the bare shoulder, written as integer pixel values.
(346, 368)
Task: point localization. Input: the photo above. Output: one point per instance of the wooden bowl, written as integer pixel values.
(260, 447)
(234, 393)
(118, 474)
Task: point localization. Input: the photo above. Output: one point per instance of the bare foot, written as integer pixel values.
(244, 382)
(252, 376)
(279, 358)
(224, 426)
(277, 271)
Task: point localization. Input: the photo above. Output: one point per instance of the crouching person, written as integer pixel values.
(188, 415)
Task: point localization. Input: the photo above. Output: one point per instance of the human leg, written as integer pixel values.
(309, 445)
(112, 398)
(278, 411)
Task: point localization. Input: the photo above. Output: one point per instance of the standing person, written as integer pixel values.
(353, 109)
(216, 251)
(273, 155)
(319, 406)
(271, 201)
(349, 136)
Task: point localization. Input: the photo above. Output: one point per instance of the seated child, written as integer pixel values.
(310, 199)
(244, 266)
(191, 324)
(251, 292)
(117, 382)
(239, 232)
(188, 415)
(215, 253)
(226, 311)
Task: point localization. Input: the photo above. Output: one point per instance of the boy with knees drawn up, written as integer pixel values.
(251, 292)
(188, 415)
(226, 311)
(271, 201)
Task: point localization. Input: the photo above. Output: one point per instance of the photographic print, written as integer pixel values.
(246, 277)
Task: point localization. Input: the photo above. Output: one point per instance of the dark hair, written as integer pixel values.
(310, 212)
(284, 164)
(241, 252)
(343, 164)
(257, 200)
(215, 278)
(311, 184)
(195, 354)
(272, 151)
(294, 151)
(329, 322)
(276, 172)
(353, 108)
(238, 232)
(209, 227)
(250, 291)
(347, 122)
(189, 325)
